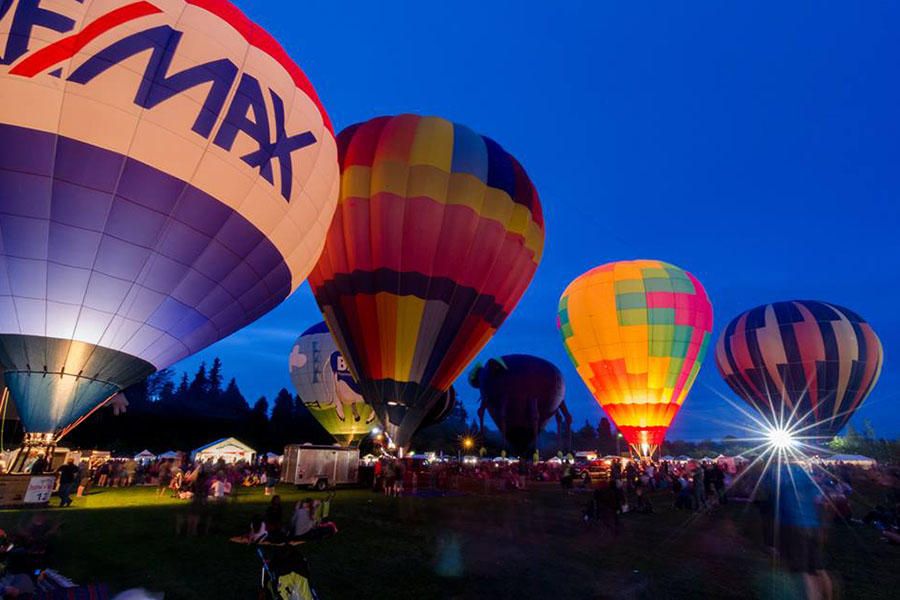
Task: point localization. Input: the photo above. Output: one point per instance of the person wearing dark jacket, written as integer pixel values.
(68, 476)
(39, 466)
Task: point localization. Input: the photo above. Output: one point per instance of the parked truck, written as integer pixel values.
(320, 466)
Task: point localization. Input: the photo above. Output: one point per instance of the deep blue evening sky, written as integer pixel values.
(756, 146)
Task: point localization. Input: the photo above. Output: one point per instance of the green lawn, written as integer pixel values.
(521, 545)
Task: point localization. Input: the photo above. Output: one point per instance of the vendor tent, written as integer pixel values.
(144, 456)
(170, 455)
(230, 450)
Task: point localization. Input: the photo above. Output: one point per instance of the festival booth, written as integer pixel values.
(230, 450)
(855, 460)
(90, 456)
(144, 456)
(171, 455)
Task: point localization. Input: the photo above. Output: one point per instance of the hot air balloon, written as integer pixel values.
(441, 409)
(437, 234)
(167, 176)
(521, 393)
(327, 388)
(806, 366)
(637, 332)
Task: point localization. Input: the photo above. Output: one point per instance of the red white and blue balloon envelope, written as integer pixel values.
(167, 176)
(803, 364)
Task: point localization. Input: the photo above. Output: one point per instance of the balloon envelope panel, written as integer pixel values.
(802, 362)
(437, 234)
(637, 332)
(167, 174)
(326, 387)
(440, 410)
(521, 393)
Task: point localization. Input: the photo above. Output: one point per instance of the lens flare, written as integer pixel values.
(780, 438)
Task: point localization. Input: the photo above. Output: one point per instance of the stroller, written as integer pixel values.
(285, 574)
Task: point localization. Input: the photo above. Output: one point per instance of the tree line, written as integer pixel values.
(170, 411)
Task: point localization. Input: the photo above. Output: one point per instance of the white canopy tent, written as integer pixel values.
(230, 450)
(144, 456)
(171, 454)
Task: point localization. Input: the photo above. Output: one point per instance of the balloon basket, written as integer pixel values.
(644, 451)
(34, 445)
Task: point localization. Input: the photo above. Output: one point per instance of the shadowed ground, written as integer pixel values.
(522, 545)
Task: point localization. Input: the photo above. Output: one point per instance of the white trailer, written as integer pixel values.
(320, 466)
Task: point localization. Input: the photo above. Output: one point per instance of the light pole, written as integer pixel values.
(618, 439)
(467, 444)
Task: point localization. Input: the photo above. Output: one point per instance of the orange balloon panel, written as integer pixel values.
(637, 332)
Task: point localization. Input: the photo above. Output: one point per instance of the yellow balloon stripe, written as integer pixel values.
(461, 189)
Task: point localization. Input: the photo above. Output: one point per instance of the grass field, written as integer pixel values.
(518, 545)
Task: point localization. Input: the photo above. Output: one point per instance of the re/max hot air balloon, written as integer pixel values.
(167, 176)
(637, 332)
(437, 234)
(806, 366)
(521, 393)
(327, 388)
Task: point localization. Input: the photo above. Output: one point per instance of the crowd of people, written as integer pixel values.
(797, 502)
(176, 477)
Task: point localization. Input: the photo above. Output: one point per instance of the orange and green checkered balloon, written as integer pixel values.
(637, 332)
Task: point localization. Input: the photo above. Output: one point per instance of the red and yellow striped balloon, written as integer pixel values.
(804, 365)
(437, 234)
(637, 332)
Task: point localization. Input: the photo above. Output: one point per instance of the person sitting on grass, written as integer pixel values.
(274, 515)
(323, 508)
(303, 523)
(258, 531)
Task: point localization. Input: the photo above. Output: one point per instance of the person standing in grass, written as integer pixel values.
(84, 478)
(68, 474)
(273, 474)
(165, 478)
(699, 488)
